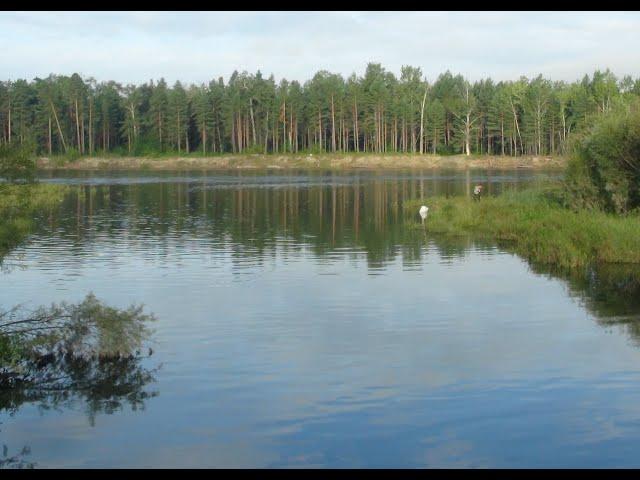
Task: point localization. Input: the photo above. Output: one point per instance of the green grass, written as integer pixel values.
(534, 224)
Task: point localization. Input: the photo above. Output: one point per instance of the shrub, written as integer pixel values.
(17, 163)
(72, 155)
(604, 171)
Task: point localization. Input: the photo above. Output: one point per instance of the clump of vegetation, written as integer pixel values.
(86, 352)
(17, 163)
(604, 172)
(535, 224)
(65, 353)
(63, 334)
(82, 330)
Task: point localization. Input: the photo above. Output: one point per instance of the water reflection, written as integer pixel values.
(331, 210)
(305, 325)
(73, 357)
(96, 385)
(610, 291)
(17, 460)
(260, 216)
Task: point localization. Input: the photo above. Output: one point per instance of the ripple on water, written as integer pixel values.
(314, 342)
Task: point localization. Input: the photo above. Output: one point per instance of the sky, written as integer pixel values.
(195, 47)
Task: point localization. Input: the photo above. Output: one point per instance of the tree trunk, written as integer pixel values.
(333, 127)
(178, 130)
(204, 138)
(78, 128)
(266, 133)
(50, 150)
(55, 115)
(284, 126)
(82, 135)
(356, 134)
(424, 99)
(502, 134)
(467, 134)
(90, 127)
(233, 134)
(515, 119)
(291, 129)
(253, 124)
(320, 129)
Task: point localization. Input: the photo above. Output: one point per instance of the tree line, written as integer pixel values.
(377, 112)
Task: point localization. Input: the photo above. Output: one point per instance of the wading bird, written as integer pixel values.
(476, 192)
(423, 212)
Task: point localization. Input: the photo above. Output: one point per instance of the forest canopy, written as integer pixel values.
(377, 112)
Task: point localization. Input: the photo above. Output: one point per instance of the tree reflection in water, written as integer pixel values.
(88, 354)
(329, 214)
(611, 292)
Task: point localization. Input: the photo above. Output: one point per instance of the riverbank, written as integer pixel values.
(534, 224)
(307, 161)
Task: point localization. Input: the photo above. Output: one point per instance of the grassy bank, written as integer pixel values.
(534, 224)
(197, 161)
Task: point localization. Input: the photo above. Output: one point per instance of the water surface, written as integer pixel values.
(303, 322)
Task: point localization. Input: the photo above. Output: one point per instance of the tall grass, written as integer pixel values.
(534, 224)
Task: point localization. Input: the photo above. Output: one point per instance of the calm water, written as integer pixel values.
(301, 322)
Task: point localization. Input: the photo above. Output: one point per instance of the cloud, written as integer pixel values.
(198, 46)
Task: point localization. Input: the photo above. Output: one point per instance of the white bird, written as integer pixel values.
(423, 212)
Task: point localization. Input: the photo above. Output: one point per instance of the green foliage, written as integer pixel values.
(88, 329)
(447, 150)
(72, 155)
(17, 163)
(605, 168)
(12, 351)
(373, 112)
(86, 352)
(536, 225)
(580, 191)
(146, 147)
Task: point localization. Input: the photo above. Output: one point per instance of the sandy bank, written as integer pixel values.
(326, 161)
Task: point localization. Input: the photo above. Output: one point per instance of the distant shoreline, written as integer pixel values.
(310, 162)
